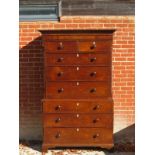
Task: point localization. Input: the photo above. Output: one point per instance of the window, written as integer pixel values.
(38, 12)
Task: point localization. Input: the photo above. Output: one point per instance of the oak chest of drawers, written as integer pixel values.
(77, 104)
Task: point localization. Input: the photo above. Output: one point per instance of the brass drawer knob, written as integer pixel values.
(96, 135)
(60, 74)
(77, 115)
(60, 90)
(93, 90)
(96, 107)
(60, 46)
(96, 120)
(92, 59)
(60, 59)
(57, 135)
(58, 107)
(93, 74)
(93, 45)
(58, 120)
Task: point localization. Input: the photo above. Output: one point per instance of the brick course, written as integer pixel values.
(31, 68)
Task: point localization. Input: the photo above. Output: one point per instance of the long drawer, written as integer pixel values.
(78, 73)
(78, 136)
(85, 46)
(78, 120)
(78, 59)
(82, 90)
(78, 106)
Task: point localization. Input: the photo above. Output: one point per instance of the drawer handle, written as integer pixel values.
(58, 107)
(60, 46)
(57, 135)
(96, 120)
(58, 120)
(92, 59)
(60, 59)
(93, 45)
(60, 90)
(60, 74)
(96, 107)
(93, 74)
(93, 90)
(96, 135)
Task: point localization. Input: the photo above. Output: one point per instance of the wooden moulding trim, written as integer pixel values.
(100, 99)
(105, 31)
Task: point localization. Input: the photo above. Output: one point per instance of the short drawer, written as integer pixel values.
(78, 136)
(94, 46)
(78, 73)
(78, 120)
(60, 46)
(87, 59)
(75, 90)
(78, 106)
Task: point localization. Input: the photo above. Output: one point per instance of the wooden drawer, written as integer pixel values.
(78, 59)
(77, 136)
(78, 73)
(62, 90)
(60, 46)
(78, 106)
(78, 120)
(94, 46)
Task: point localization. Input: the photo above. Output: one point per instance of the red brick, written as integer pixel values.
(131, 25)
(130, 59)
(128, 21)
(127, 46)
(23, 26)
(34, 26)
(72, 26)
(109, 25)
(116, 21)
(59, 26)
(90, 20)
(120, 59)
(121, 42)
(102, 20)
(84, 25)
(121, 25)
(117, 46)
(79, 20)
(25, 38)
(131, 42)
(120, 84)
(66, 20)
(97, 25)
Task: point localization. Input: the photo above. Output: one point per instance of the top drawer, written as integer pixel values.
(94, 46)
(77, 46)
(60, 46)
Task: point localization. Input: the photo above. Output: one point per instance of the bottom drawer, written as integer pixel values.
(77, 136)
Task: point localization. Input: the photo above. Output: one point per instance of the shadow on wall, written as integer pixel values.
(124, 141)
(31, 90)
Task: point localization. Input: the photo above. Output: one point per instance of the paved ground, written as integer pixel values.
(35, 150)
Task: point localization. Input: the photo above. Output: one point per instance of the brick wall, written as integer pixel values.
(31, 68)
